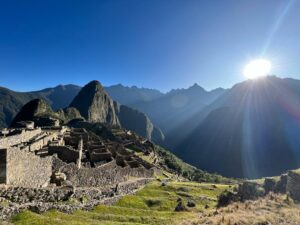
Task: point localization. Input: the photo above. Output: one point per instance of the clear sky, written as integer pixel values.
(159, 44)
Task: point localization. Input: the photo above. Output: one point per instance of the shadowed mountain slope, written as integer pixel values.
(95, 105)
(167, 111)
(250, 131)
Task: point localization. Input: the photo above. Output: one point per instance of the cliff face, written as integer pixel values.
(138, 122)
(95, 105)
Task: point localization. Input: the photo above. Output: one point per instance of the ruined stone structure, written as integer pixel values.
(293, 185)
(41, 166)
(29, 157)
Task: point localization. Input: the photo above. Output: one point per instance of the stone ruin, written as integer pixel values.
(62, 158)
(288, 184)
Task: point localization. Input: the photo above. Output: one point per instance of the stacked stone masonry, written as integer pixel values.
(31, 157)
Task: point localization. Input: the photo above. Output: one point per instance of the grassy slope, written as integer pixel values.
(154, 204)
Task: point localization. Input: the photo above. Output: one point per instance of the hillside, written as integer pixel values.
(250, 131)
(11, 101)
(181, 203)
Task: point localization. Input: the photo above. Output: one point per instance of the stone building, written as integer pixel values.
(32, 157)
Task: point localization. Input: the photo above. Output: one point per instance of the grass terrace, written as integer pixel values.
(154, 204)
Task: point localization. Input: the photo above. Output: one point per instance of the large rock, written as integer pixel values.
(69, 114)
(95, 105)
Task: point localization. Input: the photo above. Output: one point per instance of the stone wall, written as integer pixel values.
(65, 153)
(26, 169)
(107, 175)
(41, 141)
(3, 166)
(293, 185)
(100, 156)
(20, 137)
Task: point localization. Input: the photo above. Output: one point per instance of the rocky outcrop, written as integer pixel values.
(69, 114)
(138, 122)
(33, 109)
(95, 105)
(39, 111)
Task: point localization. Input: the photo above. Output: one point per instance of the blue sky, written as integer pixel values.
(159, 44)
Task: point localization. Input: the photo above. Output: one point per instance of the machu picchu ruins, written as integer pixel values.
(62, 159)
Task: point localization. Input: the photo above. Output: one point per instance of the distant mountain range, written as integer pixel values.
(167, 111)
(93, 105)
(250, 130)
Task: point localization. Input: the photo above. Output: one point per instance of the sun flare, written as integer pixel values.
(257, 68)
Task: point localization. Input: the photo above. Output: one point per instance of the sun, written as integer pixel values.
(257, 68)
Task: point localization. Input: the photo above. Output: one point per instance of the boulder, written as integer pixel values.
(58, 178)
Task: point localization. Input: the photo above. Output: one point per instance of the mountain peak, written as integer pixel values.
(95, 84)
(35, 107)
(196, 86)
(95, 105)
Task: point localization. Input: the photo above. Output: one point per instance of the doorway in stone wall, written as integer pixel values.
(3, 161)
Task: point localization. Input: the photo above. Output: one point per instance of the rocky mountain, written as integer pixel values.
(39, 111)
(134, 120)
(92, 104)
(12, 101)
(95, 105)
(33, 109)
(250, 131)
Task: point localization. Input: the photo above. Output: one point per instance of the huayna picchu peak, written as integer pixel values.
(95, 105)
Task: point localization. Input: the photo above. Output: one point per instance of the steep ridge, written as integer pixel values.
(138, 122)
(251, 131)
(95, 105)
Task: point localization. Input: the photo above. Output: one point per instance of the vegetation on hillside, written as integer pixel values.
(174, 164)
(154, 204)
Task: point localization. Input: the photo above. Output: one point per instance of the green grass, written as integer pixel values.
(153, 204)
